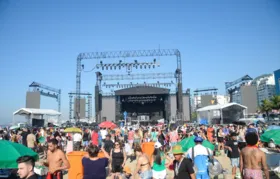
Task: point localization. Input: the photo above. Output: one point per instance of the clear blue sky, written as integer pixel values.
(219, 40)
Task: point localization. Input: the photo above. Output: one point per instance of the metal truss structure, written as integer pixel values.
(241, 80)
(48, 92)
(142, 76)
(235, 85)
(118, 85)
(88, 103)
(209, 89)
(130, 54)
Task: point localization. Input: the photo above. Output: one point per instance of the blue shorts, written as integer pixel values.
(85, 143)
(234, 162)
(148, 174)
(204, 175)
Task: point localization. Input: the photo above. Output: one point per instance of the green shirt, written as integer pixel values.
(157, 167)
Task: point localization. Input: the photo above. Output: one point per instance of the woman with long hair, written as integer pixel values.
(143, 167)
(158, 162)
(118, 158)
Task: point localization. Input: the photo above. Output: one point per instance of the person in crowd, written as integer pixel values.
(103, 133)
(220, 137)
(253, 160)
(158, 162)
(143, 167)
(183, 167)
(130, 137)
(77, 139)
(93, 166)
(161, 137)
(31, 140)
(108, 144)
(94, 137)
(127, 174)
(137, 137)
(24, 136)
(146, 137)
(233, 154)
(85, 138)
(200, 156)
(13, 136)
(118, 158)
(173, 137)
(210, 133)
(154, 135)
(25, 167)
(56, 160)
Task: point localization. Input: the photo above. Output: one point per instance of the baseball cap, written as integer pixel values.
(198, 139)
(158, 145)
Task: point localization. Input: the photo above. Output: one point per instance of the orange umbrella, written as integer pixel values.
(107, 124)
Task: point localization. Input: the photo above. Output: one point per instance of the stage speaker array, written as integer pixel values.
(98, 100)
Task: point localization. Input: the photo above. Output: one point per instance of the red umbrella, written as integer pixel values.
(107, 124)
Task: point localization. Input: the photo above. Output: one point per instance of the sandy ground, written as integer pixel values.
(225, 161)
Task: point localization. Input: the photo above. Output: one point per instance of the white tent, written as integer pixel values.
(225, 113)
(31, 113)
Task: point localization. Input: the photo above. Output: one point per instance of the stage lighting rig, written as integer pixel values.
(128, 66)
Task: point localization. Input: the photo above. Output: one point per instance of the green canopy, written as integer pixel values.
(10, 152)
(189, 143)
(271, 135)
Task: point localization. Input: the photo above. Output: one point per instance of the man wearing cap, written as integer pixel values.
(232, 147)
(183, 167)
(200, 157)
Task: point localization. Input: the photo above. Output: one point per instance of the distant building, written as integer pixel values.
(265, 87)
(277, 81)
(222, 99)
(242, 91)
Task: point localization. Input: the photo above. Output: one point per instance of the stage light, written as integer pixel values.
(135, 61)
(106, 67)
(102, 67)
(101, 63)
(111, 68)
(155, 60)
(140, 66)
(115, 67)
(149, 66)
(145, 66)
(120, 61)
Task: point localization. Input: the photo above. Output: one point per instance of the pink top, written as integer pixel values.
(130, 135)
(173, 136)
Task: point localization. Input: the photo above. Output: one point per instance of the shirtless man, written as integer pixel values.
(56, 160)
(143, 165)
(253, 160)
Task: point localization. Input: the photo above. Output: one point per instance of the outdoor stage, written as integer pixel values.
(145, 104)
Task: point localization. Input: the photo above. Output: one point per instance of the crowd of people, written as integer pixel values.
(240, 143)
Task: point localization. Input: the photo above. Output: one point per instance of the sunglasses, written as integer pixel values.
(117, 144)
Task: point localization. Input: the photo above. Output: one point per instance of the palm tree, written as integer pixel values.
(275, 101)
(266, 107)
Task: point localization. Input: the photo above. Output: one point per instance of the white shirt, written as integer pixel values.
(77, 137)
(103, 133)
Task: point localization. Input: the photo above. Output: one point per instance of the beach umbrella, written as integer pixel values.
(10, 152)
(73, 130)
(14, 127)
(189, 143)
(271, 135)
(107, 124)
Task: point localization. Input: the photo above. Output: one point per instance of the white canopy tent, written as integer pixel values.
(30, 113)
(218, 110)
